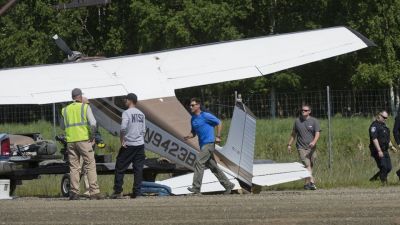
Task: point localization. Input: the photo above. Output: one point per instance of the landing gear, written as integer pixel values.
(13, 186)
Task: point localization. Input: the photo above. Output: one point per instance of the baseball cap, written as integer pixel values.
(132, 97)
(76, 92)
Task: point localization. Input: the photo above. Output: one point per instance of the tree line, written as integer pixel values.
(137, 26)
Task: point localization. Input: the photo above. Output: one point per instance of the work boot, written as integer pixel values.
(229, 189)
(194, 191)
(117, 195)
(98, 196)
(307, 186)
(136, 196)
(86, 194)
(73, 196)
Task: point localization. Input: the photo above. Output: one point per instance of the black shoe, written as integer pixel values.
(229, 189)
(73, 196)
(117, 195)
(398, 174)
(307, 186)
(312, 186)
(194, 191)
(375, 177)
(135, 196)
(98, 196)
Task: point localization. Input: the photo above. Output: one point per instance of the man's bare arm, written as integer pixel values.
(219, 130)
(291, 139)
(314, 142)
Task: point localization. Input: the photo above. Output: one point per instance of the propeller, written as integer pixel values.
(72, 55)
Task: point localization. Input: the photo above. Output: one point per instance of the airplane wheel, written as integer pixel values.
(65, 185)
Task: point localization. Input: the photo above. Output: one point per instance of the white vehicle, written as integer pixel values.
(155, 76)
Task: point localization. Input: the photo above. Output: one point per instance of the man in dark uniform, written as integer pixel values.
(379, 135)
(396, 134)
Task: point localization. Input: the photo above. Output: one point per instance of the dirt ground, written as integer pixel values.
(339, 206)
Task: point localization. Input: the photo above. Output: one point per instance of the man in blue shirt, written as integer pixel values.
(203, 124)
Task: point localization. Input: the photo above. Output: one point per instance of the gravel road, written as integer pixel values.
(338, 206)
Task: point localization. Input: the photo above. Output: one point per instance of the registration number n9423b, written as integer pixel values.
(170, 147)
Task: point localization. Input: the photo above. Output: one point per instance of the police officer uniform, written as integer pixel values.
(396, 134)
(378, 130)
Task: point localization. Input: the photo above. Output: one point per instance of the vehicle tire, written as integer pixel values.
(65, 185)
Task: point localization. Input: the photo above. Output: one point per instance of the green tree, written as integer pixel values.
(138, 26)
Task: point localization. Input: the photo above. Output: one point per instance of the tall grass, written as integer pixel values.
(352, 165)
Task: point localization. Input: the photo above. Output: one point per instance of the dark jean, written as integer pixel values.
(126, 156)
(384, 164)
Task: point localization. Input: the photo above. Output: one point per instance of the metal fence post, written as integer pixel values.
(54, 122)
(329, 127)
(273, 103)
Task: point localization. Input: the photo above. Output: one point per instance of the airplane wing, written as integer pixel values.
(158, 74)
(237, 60)
(210, 183)
(263, 175)
(278, 173)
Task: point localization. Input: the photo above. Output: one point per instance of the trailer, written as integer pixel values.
(24, 167)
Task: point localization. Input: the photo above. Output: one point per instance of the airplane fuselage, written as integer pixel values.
(161, 137)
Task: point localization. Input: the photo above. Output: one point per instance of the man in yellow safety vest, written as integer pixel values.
(80, 127)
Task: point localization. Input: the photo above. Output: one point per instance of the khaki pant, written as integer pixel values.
(308, 156)
(84, 177)
(83, 149)
(205, 158)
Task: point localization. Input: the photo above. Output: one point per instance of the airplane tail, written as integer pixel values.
(238, 153)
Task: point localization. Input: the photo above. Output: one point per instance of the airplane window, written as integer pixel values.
(120, 102)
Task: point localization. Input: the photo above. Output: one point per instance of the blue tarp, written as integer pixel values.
(151, 188)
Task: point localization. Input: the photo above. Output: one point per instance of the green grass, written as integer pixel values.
(352, 164)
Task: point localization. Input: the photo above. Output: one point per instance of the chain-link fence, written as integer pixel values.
(344, 136)
(344, 103)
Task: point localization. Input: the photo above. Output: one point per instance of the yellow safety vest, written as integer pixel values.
(75, 122)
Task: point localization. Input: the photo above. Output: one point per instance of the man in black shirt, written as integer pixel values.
(396, 134)
(379, 135)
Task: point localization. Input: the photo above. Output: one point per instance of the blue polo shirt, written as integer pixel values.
(203, 126)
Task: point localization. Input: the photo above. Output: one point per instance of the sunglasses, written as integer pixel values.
(192, 105)
(305, 110)
(384, 117)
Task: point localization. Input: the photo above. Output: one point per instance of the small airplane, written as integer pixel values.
(155, 76)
